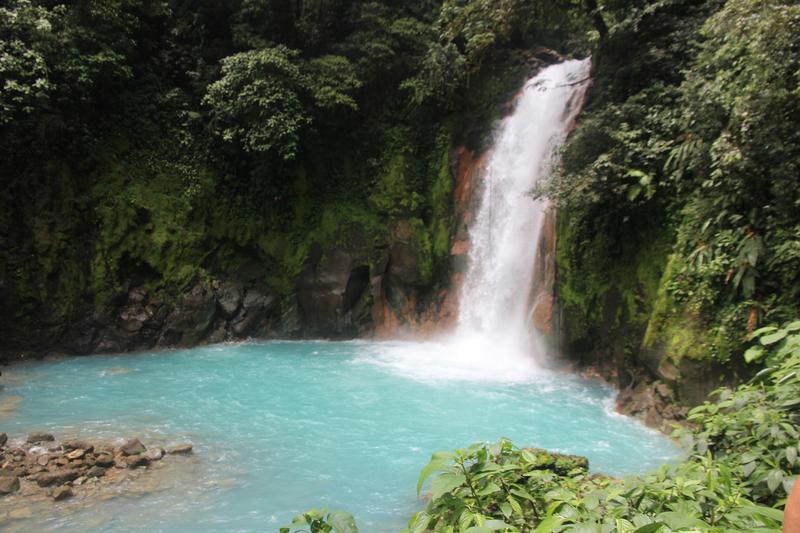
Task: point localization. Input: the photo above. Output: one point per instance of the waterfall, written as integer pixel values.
(493, 340)
(496, 295)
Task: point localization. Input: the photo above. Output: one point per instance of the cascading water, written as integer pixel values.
(495, 298)
(493, 341)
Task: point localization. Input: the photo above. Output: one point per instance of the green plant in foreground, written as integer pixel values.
(321, 521)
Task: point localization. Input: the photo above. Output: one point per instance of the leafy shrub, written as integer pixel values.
(321, 521)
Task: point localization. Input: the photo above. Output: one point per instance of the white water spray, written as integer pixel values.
(494, 340)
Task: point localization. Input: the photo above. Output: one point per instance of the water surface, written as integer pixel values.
(279, 427)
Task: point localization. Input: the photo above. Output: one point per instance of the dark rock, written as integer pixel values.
(136, 460)
(104, 460)
(62, 493)
(34, 438)
(189, 321)
(133, 447)
(229, 298)
(137, 295)
(59, 477)
(78, 445)
(256, 308)
(9, 484)
(3, 439)
(181, 449)
(96, 471)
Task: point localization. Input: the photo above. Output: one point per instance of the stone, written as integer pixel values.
(3, 439)
(104, 460)
(61, 461)
(76, 454)
(62, 493)
(58, 477)
(80, 481)
(154, 454)
(120, 462)
(78, 445)
(133, 447)
(35, 437)
(96, 471)
(136, 460)
(42, 460)
(181, 449)
(9, 484)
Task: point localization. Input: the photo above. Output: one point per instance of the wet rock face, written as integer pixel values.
(652, 402)
(329, 292)
(188, 322)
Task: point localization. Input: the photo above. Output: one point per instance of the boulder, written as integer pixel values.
(3, 439)
(104, 460)
(181, 449)
(79, 444)
(154, 454)
(36, 437)
(58, 477)
(62, 493)
(96, 471)
(9, 484)
(136, 460)
(133, 447)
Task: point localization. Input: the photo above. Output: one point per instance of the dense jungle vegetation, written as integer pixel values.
(154, 143)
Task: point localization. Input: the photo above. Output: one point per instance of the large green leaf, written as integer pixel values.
(342, 522)
(549, 525)
(444, 483)
(772, 338)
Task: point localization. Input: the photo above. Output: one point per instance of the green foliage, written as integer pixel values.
(490, 488)
(48, 62)
(470, 32)
(693, 131)
(321, 521)
(331, 80)
(256, 104)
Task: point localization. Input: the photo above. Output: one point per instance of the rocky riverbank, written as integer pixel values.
(40, 468)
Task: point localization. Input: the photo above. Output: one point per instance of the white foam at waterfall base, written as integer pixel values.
(495, 301)
(455, 358)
